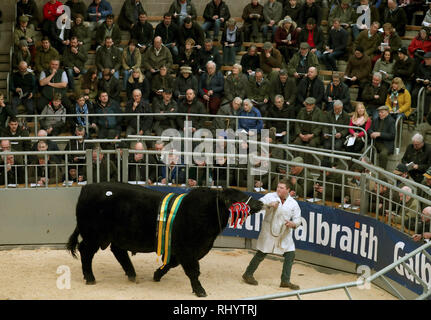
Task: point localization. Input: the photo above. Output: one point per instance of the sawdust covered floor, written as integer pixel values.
(32, 274)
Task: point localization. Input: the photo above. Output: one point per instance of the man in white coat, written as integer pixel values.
(282, 215)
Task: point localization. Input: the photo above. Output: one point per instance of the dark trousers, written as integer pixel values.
(287, 264)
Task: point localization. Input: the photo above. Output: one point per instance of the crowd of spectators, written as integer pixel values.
(177, 67)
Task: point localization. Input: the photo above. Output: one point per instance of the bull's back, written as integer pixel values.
(119, 213)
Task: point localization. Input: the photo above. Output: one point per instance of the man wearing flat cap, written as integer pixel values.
(301, 61)
(23, 32)
(382, 131)
(185, 80)
(270, 59)
(309, 134)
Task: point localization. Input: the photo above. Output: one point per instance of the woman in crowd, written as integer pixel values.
(420, 45)
(399, 100)
(385, 65)
(286, 38)
(231, 40)
(137, 80)
(89, 86)
(361, 119)
(189, 56)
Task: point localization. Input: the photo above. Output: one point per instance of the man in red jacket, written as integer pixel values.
(51, 11)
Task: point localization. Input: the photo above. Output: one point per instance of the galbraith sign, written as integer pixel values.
(352, 237)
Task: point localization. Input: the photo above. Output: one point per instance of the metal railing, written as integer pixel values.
(364, 281)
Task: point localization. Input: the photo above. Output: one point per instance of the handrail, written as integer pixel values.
(361, 281)
(420, 106)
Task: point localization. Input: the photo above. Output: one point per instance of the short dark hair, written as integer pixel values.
(110, 16)
(167, 14)
(286, 183)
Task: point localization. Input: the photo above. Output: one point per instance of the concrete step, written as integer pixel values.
(4, 67)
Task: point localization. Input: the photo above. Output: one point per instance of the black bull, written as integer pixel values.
(125, 216)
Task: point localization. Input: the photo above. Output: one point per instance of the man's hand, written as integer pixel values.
(273, 204)
(290, 224)
(375, 135)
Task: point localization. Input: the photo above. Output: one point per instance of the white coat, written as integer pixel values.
(274, 236)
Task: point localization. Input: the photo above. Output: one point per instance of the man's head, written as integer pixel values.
(190, 95)
(143, 17)
(418, 141)
(211, 67)
(45, 43)
(13, 124)
(188, 23)
(359, 52)
(22, 67)
(208, 44)
(5, 145)
(336, 79)
(167, 19)
(97, 152)
(426, 214)
(42, 145)
(56, 100)
(402, 53)
(336, 23)
(383, 112)
(167, 95)
(80, 131)
(109, 42)
(109, 20)
(310, 103)
(405, 196)
(374, 27)
(258, 75)
(338, 107)
(311, 23)
(267, 47)
(137, 95)
(282, 75)
(252, 50)
(279, 101)
(158, 42)
(377, 79)
(74, 42)
(236, 103)
(23, 21)
(103, 97)
(283, 188)
(304, 48)
(139, 146)
(297, 168)
(312, 73)
(392, 4)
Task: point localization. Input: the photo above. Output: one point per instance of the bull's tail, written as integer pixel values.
(73, 243)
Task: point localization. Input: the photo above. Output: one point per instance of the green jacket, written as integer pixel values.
(293, 66)
(78, 60)
(316, 116)
(108, 58)
(152, 61)
(258, 93)
(101, 34)
(43, 58)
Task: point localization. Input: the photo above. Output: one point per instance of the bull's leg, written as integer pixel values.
(191, 268)
(87, 251)
(124, 259)
(159, 273)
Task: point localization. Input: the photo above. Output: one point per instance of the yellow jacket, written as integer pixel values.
(404, 102)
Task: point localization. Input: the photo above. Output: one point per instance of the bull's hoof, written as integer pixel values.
(90, 282)
(132, 279)
(157, 275)
(200, 293)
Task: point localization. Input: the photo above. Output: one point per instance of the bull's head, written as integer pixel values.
(239, 205)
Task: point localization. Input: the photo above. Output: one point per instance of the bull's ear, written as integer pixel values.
(225, 196)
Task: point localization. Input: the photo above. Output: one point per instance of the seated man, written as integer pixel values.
(411, 208)
(108, 29)
(168, 32)
(301, 61)
(181, 9)
(211, 86)
(138, 163)
(336, 135)
(310, 86)
(100, 161)
(231, 109)
(284, 86)
(302, 185)
(313, 35)
(23, 87)
(252, 15)
(309, 9)
(74, 59)
(184, 81)
(137, 105)
(374, 94)
(337, 90)
(360, 24)
(198, 174)
(143, 32)
(129, 14)
(330, 185)
(53, 80)
(307, 133)
(191, 105)
(98, 11)
(164, 106)
(258, 91)
(108, 56)
(250, 61)
(174, 170)
(209, 53)
(417, 157)
(216, 13)
(396, 16)
(358, 70)
(337, 45)
(44, 55)
(14, 173)
(44, 170)
(272, 14)
(404, 68)
(270, 59)
(369, 40)
(107, 127)
(23, 32)
(281, 109)
(190, 30)
(382, 131)
(14, 129)
(155, 57)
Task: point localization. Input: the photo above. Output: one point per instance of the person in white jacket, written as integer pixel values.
(282, 215)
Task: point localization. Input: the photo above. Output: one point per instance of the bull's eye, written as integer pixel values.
(108, 193)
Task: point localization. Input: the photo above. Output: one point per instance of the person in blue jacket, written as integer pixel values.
(250, 111)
